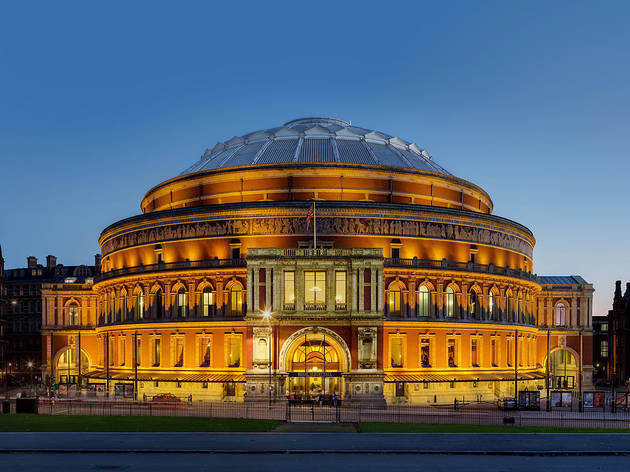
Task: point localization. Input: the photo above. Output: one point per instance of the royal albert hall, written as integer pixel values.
(312, 259)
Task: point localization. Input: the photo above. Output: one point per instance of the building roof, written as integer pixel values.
(316, 140)
(562, 279)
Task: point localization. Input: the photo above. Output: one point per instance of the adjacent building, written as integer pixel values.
(23, 313)
(619, 336)
(318, 258)
(3, 341)
(600, 350)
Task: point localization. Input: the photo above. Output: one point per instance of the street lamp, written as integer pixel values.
(30, 371)
(267, 316)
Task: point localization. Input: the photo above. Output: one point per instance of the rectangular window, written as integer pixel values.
(111, 351)
(474, 352)
(509, 350)
(207, 302)
(157, 347)
(493, 353)
(340, 290)
(396, 352)
(604, 327)
(121, 350)
(138, 351)
(425, 352)
(603, 348)
(400, 389)
(289, 290)
(234, 351)
(204, 352)
(315, 290)
(178, 351)
(452, 354)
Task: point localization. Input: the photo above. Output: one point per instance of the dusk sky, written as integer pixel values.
(529, 100)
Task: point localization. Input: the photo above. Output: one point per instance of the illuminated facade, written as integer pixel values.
(415, 293)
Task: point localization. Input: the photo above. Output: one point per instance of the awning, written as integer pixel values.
(480, 377)
(170, 377)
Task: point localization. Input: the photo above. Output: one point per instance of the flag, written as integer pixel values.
(309, 215)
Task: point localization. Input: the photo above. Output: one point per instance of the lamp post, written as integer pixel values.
(267, 316)
(29, 364)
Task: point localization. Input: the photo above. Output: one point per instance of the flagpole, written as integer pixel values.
(314, 226)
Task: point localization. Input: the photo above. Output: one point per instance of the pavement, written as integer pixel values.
(522, 444)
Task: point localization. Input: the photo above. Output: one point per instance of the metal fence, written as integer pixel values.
(472, 414)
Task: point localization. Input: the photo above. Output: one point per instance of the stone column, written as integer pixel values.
(59, 321)
(361, 285)
(439, 299)
(277, 293)
(573, 321)
(464, 313)
(549, 311)
(299, 289)
(268, 284)
(374, 290)
(412, 298)
(250, 291)
(379, 291)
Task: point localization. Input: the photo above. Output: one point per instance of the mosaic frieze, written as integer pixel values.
(325, 226)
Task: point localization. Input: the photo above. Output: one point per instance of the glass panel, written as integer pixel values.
(289, 288)
(236, 300)
(207, 301)
(179, 352)
(138, 351)
(452, 359)
(205, 352)
(396, 352)
(474, 354)
(423, 301)
(235, 351)
(315, 289)
(425, 353)
(450, 302)
(157, 345)
(340, 287)
(395, 296)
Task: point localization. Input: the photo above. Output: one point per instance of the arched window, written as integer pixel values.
(519, 309)
(423, 301)
(207, 302)
(508, 308)
(472, 304)
(236, 300)
(180, 303)
(139, 306)
(123, 307)
(112, 308)
(560, 318)
(492, 306)
(449, 309)
(395, 300)
(156, 306)
(73, 314)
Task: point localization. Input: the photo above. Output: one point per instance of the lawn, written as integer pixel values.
(471, 428)
(140, 424)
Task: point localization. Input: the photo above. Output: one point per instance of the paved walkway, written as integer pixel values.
(304, 443)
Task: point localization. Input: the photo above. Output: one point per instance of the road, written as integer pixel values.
(157, 452)
(332, 462)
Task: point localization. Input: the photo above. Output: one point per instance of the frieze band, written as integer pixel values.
(325, 226)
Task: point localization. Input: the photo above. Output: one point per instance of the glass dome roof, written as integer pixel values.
(316, 140)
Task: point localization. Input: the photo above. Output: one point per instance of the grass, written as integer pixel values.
(472, 428)
(136, 424)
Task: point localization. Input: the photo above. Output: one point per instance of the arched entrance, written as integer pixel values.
(315, 360)
(66, 368)
(563, 369)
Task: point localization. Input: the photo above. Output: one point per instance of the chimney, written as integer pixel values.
(51, 262)
(31, 262)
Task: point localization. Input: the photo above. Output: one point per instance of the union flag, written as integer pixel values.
(309, 215)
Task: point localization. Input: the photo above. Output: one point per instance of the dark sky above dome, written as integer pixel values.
(316, 140)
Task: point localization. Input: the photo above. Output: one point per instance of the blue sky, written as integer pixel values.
(530, 100)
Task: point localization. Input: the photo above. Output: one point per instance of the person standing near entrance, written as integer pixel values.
(335, 399)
